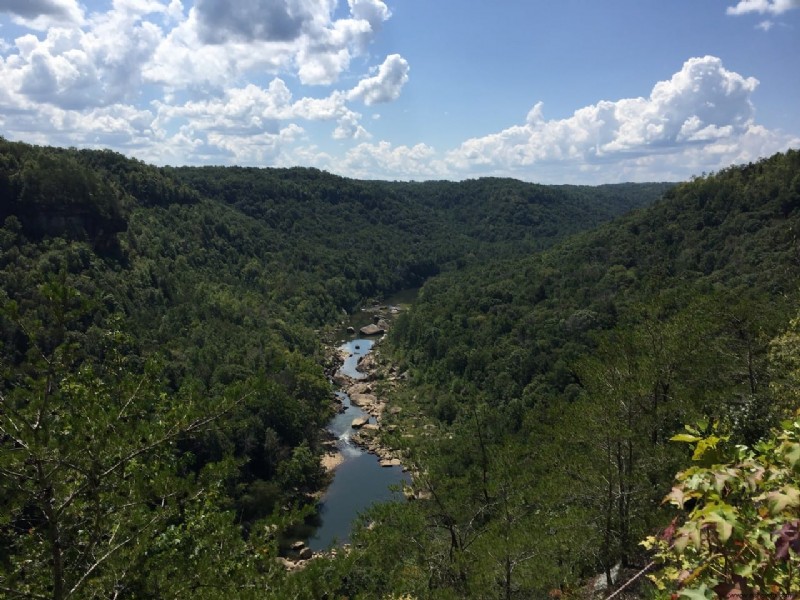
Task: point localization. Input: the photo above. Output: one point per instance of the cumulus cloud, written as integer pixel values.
(349, 128)
(41, 14)
(386, 161)
(208, 83)
(250, 110)
(122, 127)
(702, 104)
(80, 85)
(773, 7)
(374, 12)
(386, 85)
(268, 20)
(250, 124)
(73, 68)
(221, 41)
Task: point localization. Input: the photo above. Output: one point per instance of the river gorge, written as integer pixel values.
(360, 478)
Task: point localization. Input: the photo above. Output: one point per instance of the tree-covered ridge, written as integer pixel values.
(371, 237)
(78, 193)
(150, 389)
(162, 384)
(732, 233)
(158, 362)
(555, 381)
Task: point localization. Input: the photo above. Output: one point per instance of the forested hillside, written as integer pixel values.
(371, 238)
(546, 389)
(162, 379)
(163, 383)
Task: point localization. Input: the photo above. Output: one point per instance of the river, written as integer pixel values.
(359, 481)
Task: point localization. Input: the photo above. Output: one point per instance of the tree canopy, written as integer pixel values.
(164, 384)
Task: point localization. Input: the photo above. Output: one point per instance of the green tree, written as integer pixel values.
(90, 469)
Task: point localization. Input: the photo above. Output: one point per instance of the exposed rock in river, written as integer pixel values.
(372, 330)
(359, 422)
(363, 400)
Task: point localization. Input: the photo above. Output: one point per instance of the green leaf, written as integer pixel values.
(724, 526)
(744, 569)
(701, 593)
(779, 501)
(791, 452)
(706, 449)
(685, 437)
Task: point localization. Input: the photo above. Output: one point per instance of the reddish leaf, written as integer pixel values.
(788, 537)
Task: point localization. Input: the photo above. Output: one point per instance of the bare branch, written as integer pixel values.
(131, 399)
(107, 555)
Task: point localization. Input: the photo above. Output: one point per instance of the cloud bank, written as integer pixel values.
(701, 118)
(213, 82)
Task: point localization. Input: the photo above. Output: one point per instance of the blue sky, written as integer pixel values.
(574, 91)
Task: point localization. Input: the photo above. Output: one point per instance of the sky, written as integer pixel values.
(571, 91)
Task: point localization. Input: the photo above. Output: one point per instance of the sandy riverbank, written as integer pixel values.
(331, 460)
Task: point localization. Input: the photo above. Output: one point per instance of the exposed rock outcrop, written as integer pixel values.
(359, 422)
(372, 329)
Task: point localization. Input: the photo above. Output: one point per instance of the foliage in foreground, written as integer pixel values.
(741, 537)
(741, 534)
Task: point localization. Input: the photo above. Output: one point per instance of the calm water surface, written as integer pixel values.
(360, 481)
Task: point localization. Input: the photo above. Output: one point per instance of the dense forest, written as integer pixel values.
(164, 382)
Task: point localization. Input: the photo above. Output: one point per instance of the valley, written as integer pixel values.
(170, 368)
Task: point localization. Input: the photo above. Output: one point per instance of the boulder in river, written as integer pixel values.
(372, 330)
(359, 387)
(363, 400)
(359, 422)
(351, 330)
(305, 553)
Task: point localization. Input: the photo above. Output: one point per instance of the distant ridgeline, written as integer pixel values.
(732, 235)
(162, 383)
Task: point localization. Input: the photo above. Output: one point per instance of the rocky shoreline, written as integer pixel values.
(365, 394)
(368, 392)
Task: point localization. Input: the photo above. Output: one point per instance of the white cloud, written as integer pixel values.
(220, 41)
(263, 148)
(187, 69)
(72, 68)
(42, 14)
(385, 161)
(251, 110)
(386, 85)
(773, 7)
(702, 105)
(149, 77)
(349, 128)
(175, 10)
(374, 12)
(765, 25)
(122, 127)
